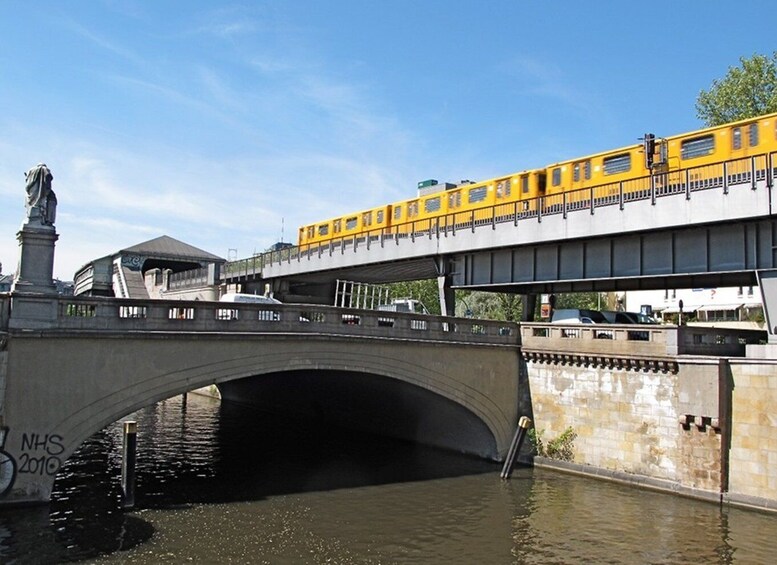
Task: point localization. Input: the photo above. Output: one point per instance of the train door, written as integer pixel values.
(581, 174)
(531, 186)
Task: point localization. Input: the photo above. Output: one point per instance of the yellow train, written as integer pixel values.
(656, 164)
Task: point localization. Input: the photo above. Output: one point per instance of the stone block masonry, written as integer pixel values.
(706, 428)
(753, 456)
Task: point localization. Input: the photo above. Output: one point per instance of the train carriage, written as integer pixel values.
(727, 150)
(602, 176)
(696, 160)
(368, 222)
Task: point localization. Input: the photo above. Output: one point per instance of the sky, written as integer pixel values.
(227, 125)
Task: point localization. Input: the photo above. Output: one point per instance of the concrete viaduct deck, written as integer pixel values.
(71, 366)
(655, 234)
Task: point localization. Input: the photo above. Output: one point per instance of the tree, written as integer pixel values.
(424, 290)
(746, 91)
(489, 305)
(583, 300)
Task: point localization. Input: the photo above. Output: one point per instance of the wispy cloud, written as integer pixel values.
(547, 80)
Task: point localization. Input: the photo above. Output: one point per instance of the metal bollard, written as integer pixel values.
(520, 433)
(129, 453)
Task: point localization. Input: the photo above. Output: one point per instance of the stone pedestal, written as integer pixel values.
(34, 274)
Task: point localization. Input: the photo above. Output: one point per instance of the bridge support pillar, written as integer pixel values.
(447, 296)
(446, 292)
(767, 282)
(529, 306)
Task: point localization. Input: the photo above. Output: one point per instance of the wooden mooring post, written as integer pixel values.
(129, 454)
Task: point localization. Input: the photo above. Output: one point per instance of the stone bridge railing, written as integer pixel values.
(645, 346)
(126, 315)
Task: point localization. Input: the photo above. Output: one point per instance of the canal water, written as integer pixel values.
(218, 483)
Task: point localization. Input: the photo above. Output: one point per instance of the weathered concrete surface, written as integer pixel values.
(63, 385)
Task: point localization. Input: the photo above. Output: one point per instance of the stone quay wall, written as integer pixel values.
(753, 455)
(698, 425)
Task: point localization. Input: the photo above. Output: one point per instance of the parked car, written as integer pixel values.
(627, 317)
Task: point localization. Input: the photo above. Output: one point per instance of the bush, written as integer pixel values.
(562, 448)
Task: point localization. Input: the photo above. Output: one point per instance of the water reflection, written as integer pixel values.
(220, 483)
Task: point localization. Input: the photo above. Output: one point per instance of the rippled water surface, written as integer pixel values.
(221, 484)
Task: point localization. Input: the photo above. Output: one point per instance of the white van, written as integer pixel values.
(252, 298)
(577, 316)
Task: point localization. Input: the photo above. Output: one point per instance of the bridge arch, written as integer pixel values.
(88, 381)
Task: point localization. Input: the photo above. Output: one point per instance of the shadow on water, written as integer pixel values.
(206, 452)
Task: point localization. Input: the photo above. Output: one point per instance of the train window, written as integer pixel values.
(367, 219)
(556, 178)
(576, 172)
(477, 194)
(525, 184)
(323, 229)
(503, 188)
(617, 164)
(588, 170)
(380, 216)
(337, 225)
(398, 213)
(697, 147)
(432, 204)
(350, 223)
(753, 134)
(736, 138)
(454, 200)
(412, 209)
(311, 232)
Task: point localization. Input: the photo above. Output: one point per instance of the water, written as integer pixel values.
(221, 484)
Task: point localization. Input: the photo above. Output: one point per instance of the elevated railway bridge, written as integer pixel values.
(707, 226)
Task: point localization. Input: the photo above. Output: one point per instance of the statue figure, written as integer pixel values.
(41, 201)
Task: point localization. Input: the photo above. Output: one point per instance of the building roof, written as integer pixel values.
(170, 248)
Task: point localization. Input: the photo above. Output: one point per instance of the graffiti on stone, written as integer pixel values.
(40, 454)
(7, 465)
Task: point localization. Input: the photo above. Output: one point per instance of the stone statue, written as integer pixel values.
(41, 201)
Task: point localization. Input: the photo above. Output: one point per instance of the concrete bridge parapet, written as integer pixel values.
(622, 346)
(71, 366)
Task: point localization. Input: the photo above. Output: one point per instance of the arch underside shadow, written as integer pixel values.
(371, 403)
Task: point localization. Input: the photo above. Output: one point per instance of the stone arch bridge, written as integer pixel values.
(71, 366)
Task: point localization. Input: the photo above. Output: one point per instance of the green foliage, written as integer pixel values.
(489, 305)
(583, 300)
(562, 448)
(746, 91)
(423, 290)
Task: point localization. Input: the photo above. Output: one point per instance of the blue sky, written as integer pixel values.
(216, 123)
